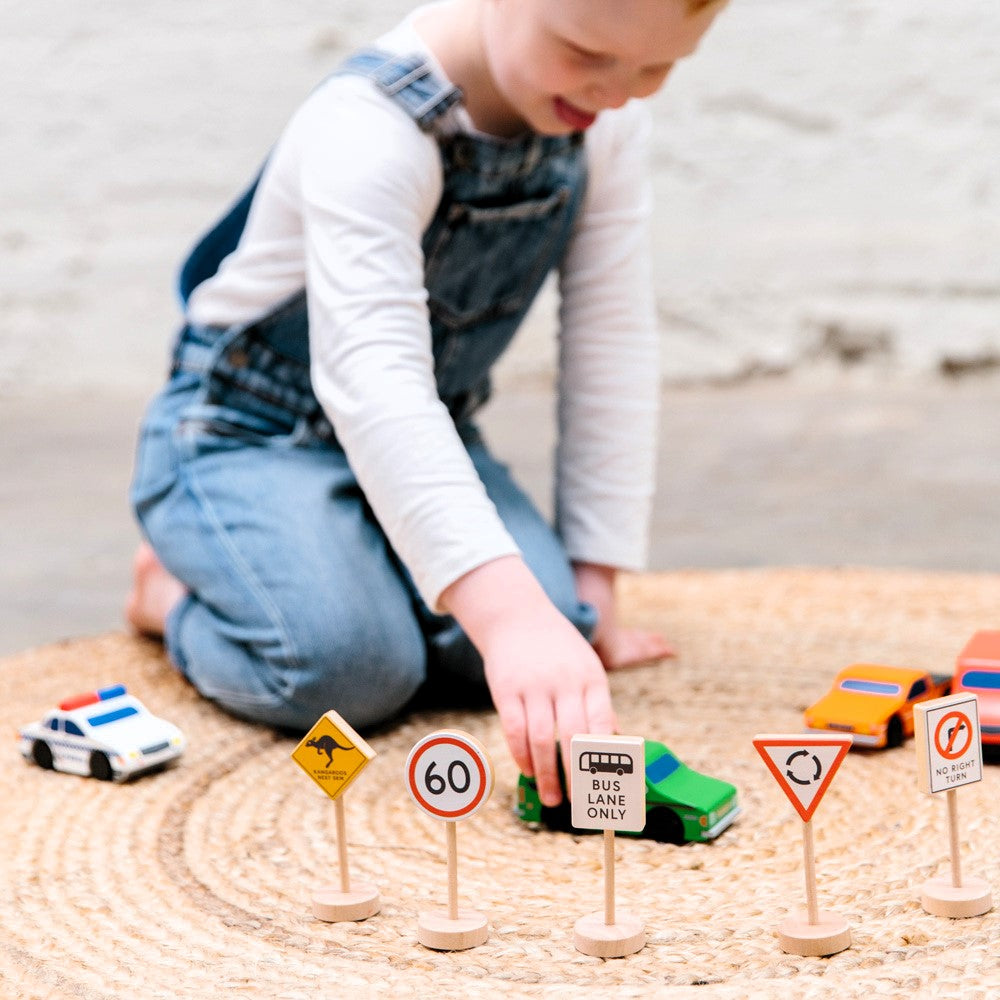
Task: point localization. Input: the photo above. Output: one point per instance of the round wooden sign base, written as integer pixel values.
(593, 936)
(940, 897)
(437, 930)
(358, 903)
(830, 934)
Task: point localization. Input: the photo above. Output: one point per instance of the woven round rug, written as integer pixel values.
(195, 882)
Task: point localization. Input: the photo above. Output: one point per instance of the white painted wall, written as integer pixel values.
(827, 174)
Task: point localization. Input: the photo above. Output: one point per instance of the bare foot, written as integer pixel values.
(154, 593)
(619, 647)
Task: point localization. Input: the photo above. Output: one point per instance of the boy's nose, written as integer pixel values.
(612, 90)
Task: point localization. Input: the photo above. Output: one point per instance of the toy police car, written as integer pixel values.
(107, 734)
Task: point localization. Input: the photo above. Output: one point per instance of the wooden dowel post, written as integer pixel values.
(809, 854)
(956, 861)
(345, 875)
(452, 830)
(609, 877)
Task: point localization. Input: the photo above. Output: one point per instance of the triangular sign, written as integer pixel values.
(803, 766)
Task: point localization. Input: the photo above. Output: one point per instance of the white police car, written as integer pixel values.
(107, 734)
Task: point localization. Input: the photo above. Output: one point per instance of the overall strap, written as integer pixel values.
(406, 80)
(218, 243)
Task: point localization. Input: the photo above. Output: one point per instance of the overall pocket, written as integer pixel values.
(223, 426)
(488, 261)
(250, 395)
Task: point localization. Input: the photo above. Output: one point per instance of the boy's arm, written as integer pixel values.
(364, 215)
(545, 678)
(609, 383)
(608, 362)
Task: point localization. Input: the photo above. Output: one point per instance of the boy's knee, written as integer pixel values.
(288, 677)
(367, 676)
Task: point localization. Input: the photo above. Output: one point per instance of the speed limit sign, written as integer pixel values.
(449, 774)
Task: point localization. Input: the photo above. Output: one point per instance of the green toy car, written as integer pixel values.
(681, 804)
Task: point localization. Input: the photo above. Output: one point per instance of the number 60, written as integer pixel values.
(436, 784)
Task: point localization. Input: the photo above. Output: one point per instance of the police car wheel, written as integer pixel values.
(41, 754)
(100, 767)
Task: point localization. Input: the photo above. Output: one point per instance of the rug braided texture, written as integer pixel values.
(195, 882)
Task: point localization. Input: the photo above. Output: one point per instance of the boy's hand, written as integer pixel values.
(544, 677)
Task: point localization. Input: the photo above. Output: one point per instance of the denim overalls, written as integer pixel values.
(297, 602)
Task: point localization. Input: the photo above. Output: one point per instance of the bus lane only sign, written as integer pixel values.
(949, 751)
(608, 782)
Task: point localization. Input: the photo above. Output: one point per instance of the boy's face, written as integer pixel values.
(558, 63)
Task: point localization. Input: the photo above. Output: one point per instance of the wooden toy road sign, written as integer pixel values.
(332, 754)
(450, 777)
(608, 782)
(949, 751)
(449, 774)
(803, 766)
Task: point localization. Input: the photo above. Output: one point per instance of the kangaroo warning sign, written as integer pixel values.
(949, 752)
(803, 766)
(332, 754)
(608, 781)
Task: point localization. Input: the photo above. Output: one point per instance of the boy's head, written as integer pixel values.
(559, 63)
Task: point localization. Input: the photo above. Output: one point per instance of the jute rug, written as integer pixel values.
(195, 882)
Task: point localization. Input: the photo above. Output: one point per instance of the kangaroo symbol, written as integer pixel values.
(326, 744)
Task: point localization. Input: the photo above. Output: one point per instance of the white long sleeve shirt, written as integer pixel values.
(341, 208)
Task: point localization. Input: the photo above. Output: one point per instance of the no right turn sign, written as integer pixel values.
(949, 752)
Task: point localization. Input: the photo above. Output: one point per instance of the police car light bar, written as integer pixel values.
(92, 697)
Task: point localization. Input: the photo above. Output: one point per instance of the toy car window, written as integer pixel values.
(53, 724)
(662, 768)
(114, 716)
(869, 687)
(987, 679)
(919, 687)
(73, 729)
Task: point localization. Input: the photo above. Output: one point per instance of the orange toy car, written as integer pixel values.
(978, 670)
(875, 703)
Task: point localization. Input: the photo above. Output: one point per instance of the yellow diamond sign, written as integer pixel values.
(332, 754)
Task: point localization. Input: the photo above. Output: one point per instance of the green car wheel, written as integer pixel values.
(664, 825)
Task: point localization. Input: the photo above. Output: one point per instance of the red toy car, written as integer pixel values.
(978, 670)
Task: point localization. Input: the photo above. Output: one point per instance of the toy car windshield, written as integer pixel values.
(869, 687)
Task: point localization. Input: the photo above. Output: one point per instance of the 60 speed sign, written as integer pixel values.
(449, 774)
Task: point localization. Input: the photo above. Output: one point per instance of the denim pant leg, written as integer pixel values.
(297, 605)
(450, 653)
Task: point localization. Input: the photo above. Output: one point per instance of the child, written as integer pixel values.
(329, 529)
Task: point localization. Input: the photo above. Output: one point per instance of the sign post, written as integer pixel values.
(333, 755)
(608, 792)
(804, 766)
(949, 755)
(450, 777)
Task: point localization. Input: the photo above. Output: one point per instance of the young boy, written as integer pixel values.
(329, 529)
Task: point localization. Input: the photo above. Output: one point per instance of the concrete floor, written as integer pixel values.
(772, 472)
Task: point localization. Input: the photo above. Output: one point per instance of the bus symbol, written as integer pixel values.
(610, 763)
